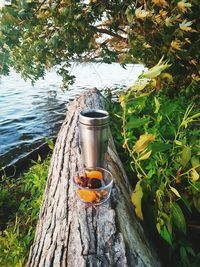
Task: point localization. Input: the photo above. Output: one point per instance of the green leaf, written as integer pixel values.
(136, 123)
(129, 16)
(139, 103)
(168, 108)
(190, 250)
(166, 235)
(178, 217)
(195, 162)
(187, 203)
(50, 143)
(186, 156)
(159, 147)
(196, 203)
(151, 172)
(183, 253)
(136, 199)
(184, 257)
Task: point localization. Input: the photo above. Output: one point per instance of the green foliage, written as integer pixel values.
(7, 202)
(20, 202)
(35, 36)
(50, 143)
(169, 28)
(161, 136)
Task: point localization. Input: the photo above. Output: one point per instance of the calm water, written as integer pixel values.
(29, 114)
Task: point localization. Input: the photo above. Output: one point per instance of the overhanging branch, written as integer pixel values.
(106, 31)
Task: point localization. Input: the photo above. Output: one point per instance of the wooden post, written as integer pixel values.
(69, 233)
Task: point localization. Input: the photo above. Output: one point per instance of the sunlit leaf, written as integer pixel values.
(175, 45)
(158, 227)
(160, 3)
(146, 155)
(140, 85)
(194, 175)
(141, 13)
(39, 158)
(157, 69)
(118, 116)
(195, 116)
(195, 77)
(178, 143)
(169, 22)
(122, 100)
(175, 191)
(183, 6)
(137, 200)
(157, 104)
(143, 142)
(185, 26)
(146, 45)
(167, 76)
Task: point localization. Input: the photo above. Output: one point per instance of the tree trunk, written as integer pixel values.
(69, 233)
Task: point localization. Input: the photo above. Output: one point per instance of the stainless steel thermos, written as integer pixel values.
(94, 127)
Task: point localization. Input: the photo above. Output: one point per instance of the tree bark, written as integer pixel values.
(69, 233)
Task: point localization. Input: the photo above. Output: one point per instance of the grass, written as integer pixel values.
(20, 202)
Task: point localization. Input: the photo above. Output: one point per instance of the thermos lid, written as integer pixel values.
(94, 117)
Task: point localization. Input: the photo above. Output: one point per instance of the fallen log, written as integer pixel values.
(69, 233)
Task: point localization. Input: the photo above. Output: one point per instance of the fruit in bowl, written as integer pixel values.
(94, 185)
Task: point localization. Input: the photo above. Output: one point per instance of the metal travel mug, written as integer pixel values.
(94, 126)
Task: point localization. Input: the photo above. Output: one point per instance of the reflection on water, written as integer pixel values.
(28, 114)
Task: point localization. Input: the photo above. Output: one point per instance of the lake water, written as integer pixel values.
(29, 113)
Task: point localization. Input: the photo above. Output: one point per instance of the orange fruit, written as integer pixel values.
(94, 174)
(87, 195)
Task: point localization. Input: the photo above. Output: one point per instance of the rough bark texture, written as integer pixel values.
(71, 234)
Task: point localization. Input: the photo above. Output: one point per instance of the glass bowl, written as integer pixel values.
(93, 185)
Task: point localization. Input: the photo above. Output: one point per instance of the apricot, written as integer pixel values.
(94, 174)
(87, 195)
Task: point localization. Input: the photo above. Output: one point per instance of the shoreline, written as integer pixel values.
(23, 164)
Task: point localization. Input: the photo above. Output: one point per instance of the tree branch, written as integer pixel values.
(106, 31)
(41, 4)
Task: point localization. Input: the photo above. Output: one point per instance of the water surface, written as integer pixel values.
(29, 113)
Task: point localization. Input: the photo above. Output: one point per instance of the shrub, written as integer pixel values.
(19, 210)
(161, 136)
